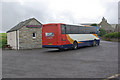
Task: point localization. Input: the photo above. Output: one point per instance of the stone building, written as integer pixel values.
(26, 35)
(117, 28)
(106, 26)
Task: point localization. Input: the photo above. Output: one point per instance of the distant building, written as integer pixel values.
(26, 35)
(106, 26)
(119, 12)
(117, 28)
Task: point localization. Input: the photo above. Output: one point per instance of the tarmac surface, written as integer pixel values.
(86, 62)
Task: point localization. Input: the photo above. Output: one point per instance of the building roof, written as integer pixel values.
(21, 24)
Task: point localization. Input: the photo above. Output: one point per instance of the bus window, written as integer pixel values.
(63, 29)
(93, 30)
(75, 30)
(81, 30)
(68, 29)
(90, 30)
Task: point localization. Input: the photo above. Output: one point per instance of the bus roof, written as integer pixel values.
(69, 24)
(53, 23)
(63, 24)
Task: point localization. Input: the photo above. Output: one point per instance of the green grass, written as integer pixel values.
(3, 39)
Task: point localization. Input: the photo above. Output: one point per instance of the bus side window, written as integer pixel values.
(93, 30)
(63, 31)
(77, 30)
(68, 29)
(80, 30)
(72, 28)
(84, 30)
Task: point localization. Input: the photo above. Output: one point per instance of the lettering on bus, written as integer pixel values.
(49, 34)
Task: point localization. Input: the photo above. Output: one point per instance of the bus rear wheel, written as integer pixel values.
(61, 49)
(75, 45)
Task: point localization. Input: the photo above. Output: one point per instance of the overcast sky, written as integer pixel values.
(58, 11)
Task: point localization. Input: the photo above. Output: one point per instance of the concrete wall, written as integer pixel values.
(11, 39)
(26, 40)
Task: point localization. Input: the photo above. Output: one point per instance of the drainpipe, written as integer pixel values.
(16, 39)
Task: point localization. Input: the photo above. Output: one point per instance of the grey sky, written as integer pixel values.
(58, 11)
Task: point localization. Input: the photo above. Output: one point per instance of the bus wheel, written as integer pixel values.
(60, 49)
(94, 43)
(75, 45)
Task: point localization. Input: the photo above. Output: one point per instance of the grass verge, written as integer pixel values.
(3, 39)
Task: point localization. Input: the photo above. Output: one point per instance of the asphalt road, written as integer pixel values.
(87, 62)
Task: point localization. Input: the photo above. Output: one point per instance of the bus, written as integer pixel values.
(65, 36)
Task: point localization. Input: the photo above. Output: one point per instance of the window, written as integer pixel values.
(34, 35)
(93, 30)
(72, 29)
(90, 30)
(81, 30)
(63, 29)
(68, 29)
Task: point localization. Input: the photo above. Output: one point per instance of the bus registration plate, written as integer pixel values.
(49, 43)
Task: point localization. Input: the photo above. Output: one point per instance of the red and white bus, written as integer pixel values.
(62, 36)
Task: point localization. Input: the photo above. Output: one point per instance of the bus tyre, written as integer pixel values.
(75, 45)
(94, 43)
(60, 49)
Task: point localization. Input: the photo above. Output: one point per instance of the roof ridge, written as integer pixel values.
(21, 24)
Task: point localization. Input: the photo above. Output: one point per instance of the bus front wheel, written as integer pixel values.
(75, 45)
(94, 43)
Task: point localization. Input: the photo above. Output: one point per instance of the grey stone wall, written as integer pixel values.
(26, 40)
(106, 26)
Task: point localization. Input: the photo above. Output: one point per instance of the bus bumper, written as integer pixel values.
(58, 46)
(50, 46)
